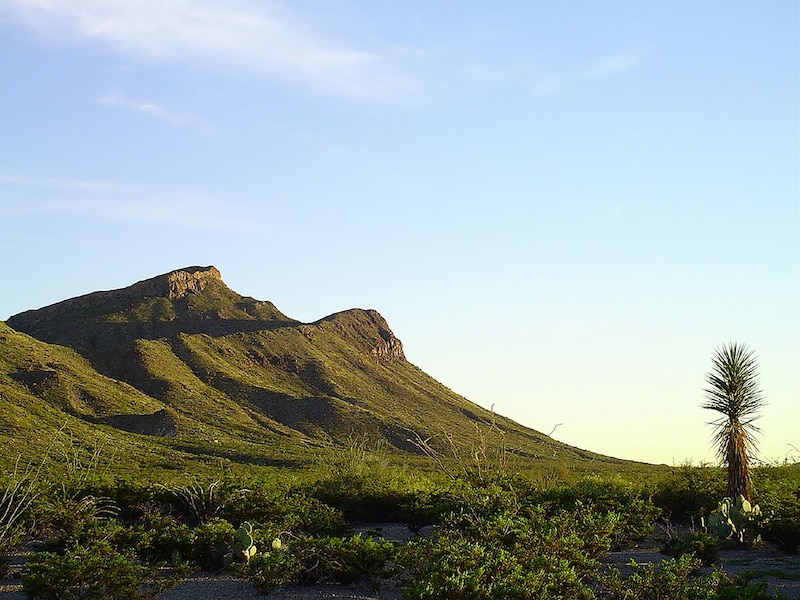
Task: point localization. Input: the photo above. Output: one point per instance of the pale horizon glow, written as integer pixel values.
(560, 211)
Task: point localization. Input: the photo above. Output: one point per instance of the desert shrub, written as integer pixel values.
(269, 570)
(678, 579)
(630, 505)
(496, 543)
(199, 501)
(305, 515)
(68, 521)
(689, 492)
(207, 546)
(426, 508)
(308, 560)
(253, 503)
(453, 566)
(777, 490)
(359, 480)
(211, 544)
(782, 528)
(293, 511)
(94, 572)
(134, 499)
(343, 560)
(360, 498)
(169, 542)
(701, 545)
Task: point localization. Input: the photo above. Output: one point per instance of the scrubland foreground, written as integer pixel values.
(471, 533)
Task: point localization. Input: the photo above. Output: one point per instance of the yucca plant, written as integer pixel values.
(733, 390)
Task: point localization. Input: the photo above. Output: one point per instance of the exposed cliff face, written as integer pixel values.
(390, 346)
(173, 285)
(366, 329)
(185, 281)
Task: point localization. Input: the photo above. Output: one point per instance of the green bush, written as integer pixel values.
(269, 570)
(360, 498)
(688, 492)
(700, 545)
(208, 546)
(631, 503)
(782, 528)
(211, 545)
(66, 520)
(308, 560)
(426, 508)
(199, 501)
(169, 542)
(94, 572)
(497, 544)
(448, 565)
(254, 503)
(304, 515)
(342, 560)
(677, 579)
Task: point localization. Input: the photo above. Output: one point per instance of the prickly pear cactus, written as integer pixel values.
(735, 520)
(242, 544)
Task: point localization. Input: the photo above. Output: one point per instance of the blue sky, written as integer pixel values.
(562, 209)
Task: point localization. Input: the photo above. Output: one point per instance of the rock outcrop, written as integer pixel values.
(172, 285)
(389, 346)
(366, 329)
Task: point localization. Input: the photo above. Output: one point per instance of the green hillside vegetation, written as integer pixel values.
(180, 368)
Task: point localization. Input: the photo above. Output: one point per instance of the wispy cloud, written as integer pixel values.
(538, 78)
(246, 35)
(64, 184)
(181, 209)
(153, 110)
(148, 108)
(600, 67)
(616, 63)
(115, 201)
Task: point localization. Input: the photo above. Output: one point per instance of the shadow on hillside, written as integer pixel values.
(159, 424)
(100, 336)
(236, 456)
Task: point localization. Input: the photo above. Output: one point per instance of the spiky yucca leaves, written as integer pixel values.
(733, 390)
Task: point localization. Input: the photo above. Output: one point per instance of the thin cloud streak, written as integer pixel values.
(263, 37)
(153, 110)
(601, 67)
(117, 202)
(173, 209)
(616, 63)
(536, 78)
(63, 184)
(149, 108)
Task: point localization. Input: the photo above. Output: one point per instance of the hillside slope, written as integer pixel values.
(207, 363)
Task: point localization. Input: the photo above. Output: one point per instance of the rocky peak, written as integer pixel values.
(177, 284)
(172, 285)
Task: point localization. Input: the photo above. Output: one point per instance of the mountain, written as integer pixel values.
(184, 362)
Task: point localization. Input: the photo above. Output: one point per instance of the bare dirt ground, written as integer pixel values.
(781, 572)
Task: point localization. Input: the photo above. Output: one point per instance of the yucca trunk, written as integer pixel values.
(738, 462)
